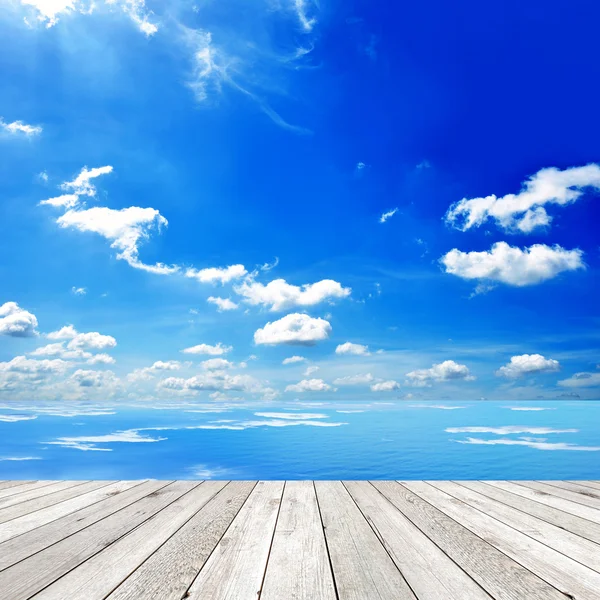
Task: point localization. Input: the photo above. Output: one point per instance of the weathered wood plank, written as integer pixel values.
(585, 512)
(56, 486)
(362, 568)
(34, 504)
(591, 484)
(24, 488)
(298, 566)
(97, 577)
(33, 574)
(25, 523)
(431, 574)
(169, 572)
(570, 577)
(13, 483)
(236, 567)
(569, 544)
(577, 489)
(558, 492)
(563, 520)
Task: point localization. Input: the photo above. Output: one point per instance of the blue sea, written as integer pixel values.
(310, 440)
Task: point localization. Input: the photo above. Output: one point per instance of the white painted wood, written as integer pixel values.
(560, 571)
(169, 572)
(361, 566)
(591, 484)
(236, 567)
(298, 566)
(431, 574)
(24, 488)
(592, 497)
(12, 483)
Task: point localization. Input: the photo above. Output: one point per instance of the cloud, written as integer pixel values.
(309, 385)
(68, 332)
(509, 429)
(16, 418)
(388, 215)
(292, 416)
(355, 349)
(513, 266)
(530, 443)
(82, 184)
(217, 275)
(64, 201)
(34, 368)
(385, 386)
(223, 304)
(295, 328)
(280, 295)
(302, 7)
(528, 408)
(446, 371)
(18, 127)
(129, 436)
(19, 458)
(16, 321)
(436, 406)
(125, 228)
(293, 359)
(581, 380)
(217, 350)
(528, 364)
(214, 364)
(310, 370)
(89, 378)
(354, 379)
(215, 381)
(101, 359)
(78, 291)
(524, 212)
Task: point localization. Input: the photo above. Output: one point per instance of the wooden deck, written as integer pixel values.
(322, 540)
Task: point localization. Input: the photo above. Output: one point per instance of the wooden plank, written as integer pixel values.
(30, 576)
(25, 523)
(591, 484)
(569, 544)
(13, 483)
(552, 490)
(97, 577)
(570, 577)
(21, 489)
(298, 564)
(583, 527)
(56, 486)
(577, 489)
(169, 572)
(236, 567)
(430, 573)
(32, 542)
(362, 568)
(585, 512)
(34, 504)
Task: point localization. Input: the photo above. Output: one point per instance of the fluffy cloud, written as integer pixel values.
(91, 340)
(16, 321)
(387, 215)
(82, 184)
(280, 295)
(293, 359)
(309, 385)
(90, 378)
(354, 379)
(310, 370)
(446, 371)
(537, 443)
(295, 328)
(350, 348)
(581, 380)
(217, 275)
(510, 429)
(124, 228)
(214, 381)
(216, 350)
(511, 265)
(78, 291)
(523, 212)
(68, 332)
(215, 364)
(528, 364)
(223, 304)
(18, 127)
(385, 386)
(33, 368)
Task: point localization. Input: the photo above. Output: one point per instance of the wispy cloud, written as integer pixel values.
(530, 443)
(388, 215)
(19, 127)
(510, 429)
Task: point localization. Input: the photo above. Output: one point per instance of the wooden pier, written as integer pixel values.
(300, 540)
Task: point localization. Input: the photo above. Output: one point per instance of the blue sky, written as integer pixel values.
(404, 197)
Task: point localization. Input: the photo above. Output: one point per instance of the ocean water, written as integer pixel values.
(402, 440)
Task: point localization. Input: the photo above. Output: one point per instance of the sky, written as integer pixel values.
(270, 201)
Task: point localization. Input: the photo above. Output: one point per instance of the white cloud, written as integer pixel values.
(19, 458)
(16, 321)
(302, 8)
(354, 379)
(223, 304)
(293, 359)
(136, 10)
(309, 385)
(388, 215)
(82, 184)
(34, 368)
(435, 406)
(79, 291)
(17, 127)
(220, 275)
(291, 416)
(215, 364)
(68, 332)
(509, 429)
(528, 408)
(217, 350)
(280, 295)
(295, 328)
(446, 371)
(92, 340)
(523, 212)
(77, 343)
(215, 381)
(101, 359)
(16, 418)
(90, 378)
(512, 265)
(540, 444)
(169, 365)
(528, 364)
(355, 349)
(64, 201)
(130, 436)
(581, 380)
(310, 370)
(385, 386)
